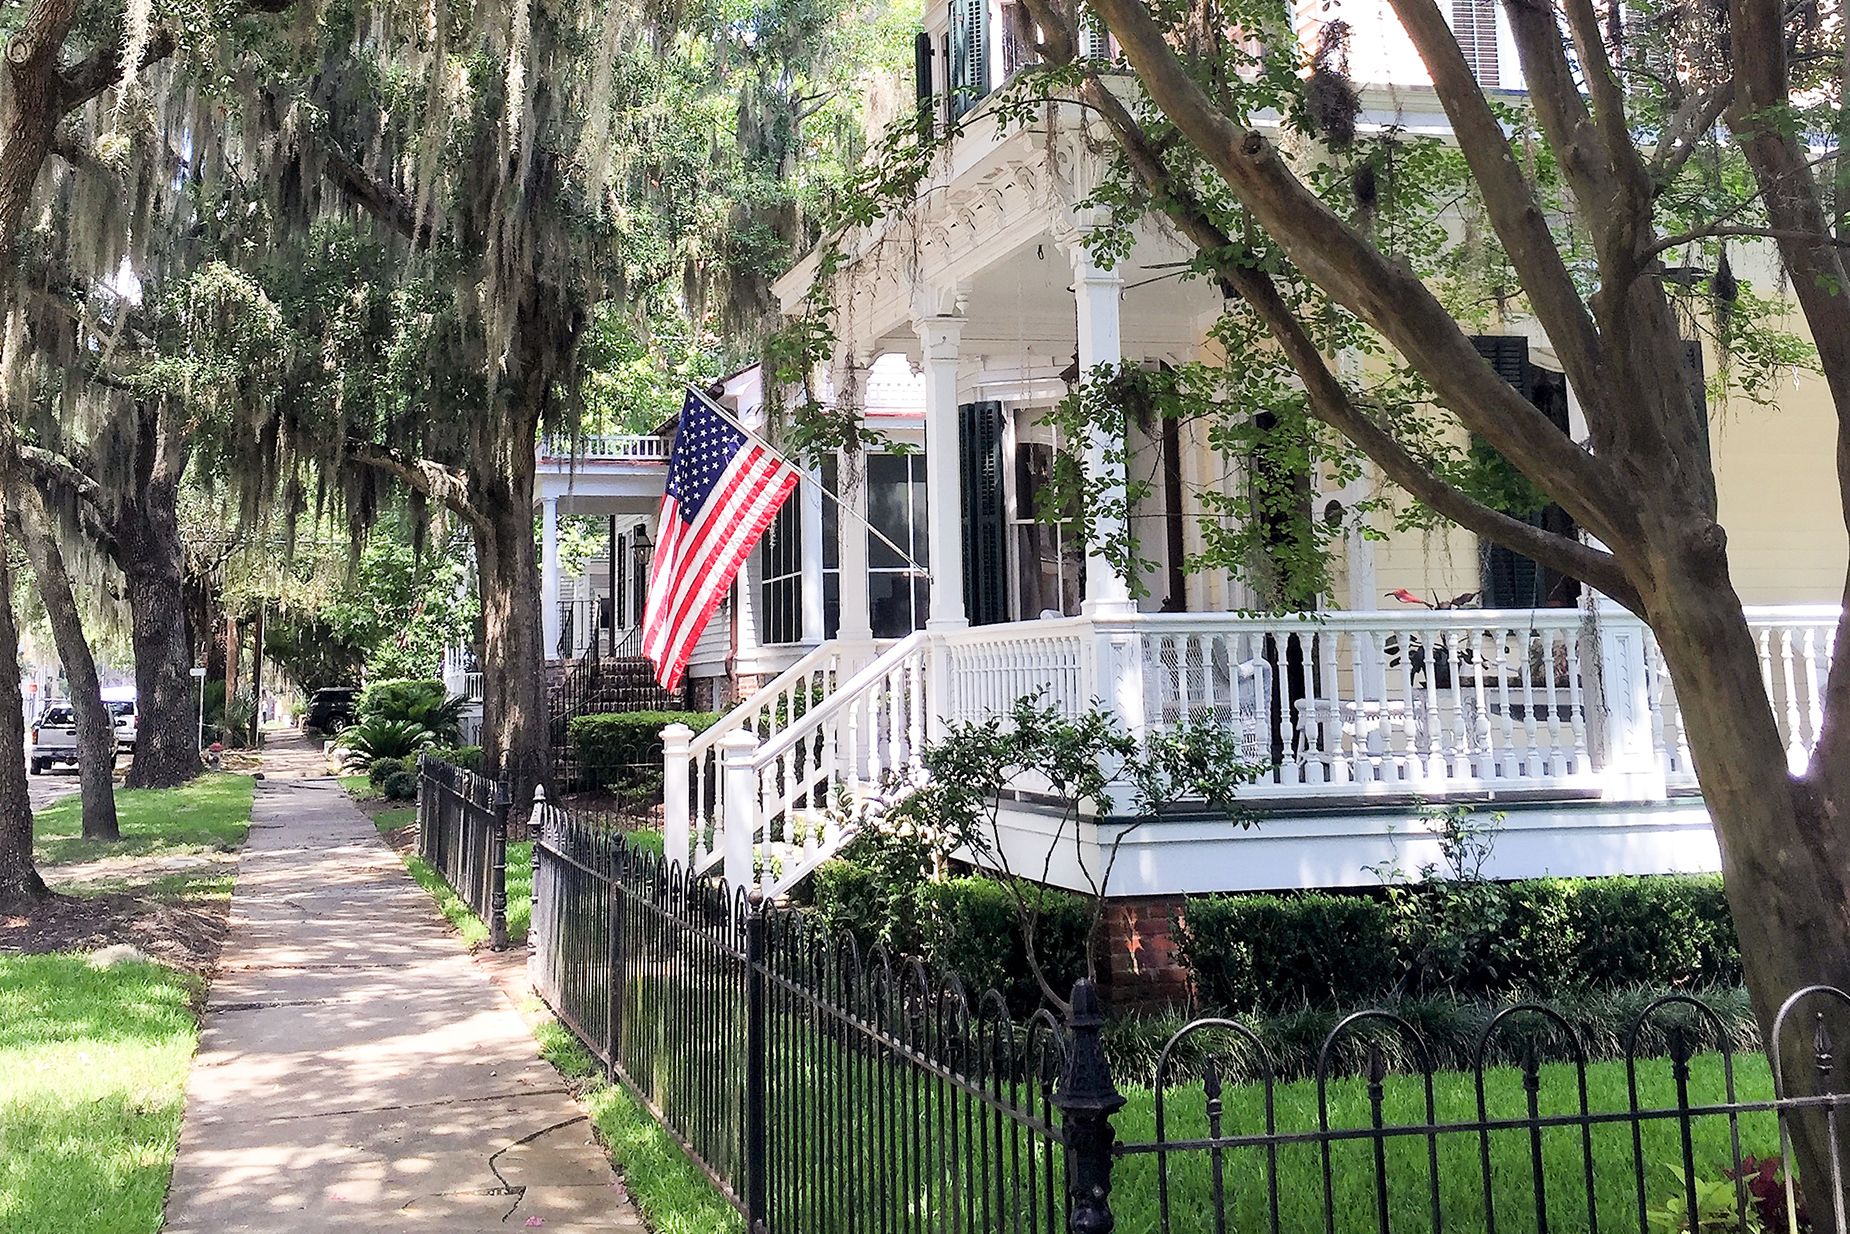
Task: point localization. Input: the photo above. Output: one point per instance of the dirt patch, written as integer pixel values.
(402, 840)
(185, 933)
(82, 874)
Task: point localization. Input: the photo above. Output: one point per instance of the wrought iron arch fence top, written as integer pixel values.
(829, 1088)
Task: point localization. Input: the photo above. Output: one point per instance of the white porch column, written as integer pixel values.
(810, 494)
(939, 338)
(856, 620)
(549, 576)
(1625, 734)
(1098, 292)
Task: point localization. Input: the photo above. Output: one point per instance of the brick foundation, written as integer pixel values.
(1141, 968)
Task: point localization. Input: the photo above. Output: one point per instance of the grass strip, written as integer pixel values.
(473, 929)
(92, 1079)
(674, 1196)
(210, 813)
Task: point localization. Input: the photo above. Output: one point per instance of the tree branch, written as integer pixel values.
(1386, 294)
(1329, 400)
(381, 201)
(1509, 198)
(1763, 233)
(447, 485)
(1684, 131)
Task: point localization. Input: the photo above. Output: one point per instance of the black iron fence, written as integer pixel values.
(829, 1090)
(824, 1090)
(462, 833)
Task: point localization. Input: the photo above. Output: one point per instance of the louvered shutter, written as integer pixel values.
(969, 54)
(921, 72)
(1508, 579)
(1097, 39)
(985, 547)
(1474, 25)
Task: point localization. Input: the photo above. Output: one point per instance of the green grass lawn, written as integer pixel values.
(210, 813)
(92, 1074)
(1460, 1160)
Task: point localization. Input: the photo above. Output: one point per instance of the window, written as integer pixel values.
(1048, 556)
(1509, 579)
(968, 48)
(898, 594)
(1474, 25)
(781, 619)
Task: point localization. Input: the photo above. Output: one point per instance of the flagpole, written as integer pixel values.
(804, 475)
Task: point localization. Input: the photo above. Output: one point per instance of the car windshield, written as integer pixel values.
(59, 715)
(121, 709)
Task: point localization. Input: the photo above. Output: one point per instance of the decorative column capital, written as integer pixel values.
(940, 337)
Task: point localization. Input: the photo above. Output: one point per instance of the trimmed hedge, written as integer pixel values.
(1316, 949)
(967, 925)
(629, 738)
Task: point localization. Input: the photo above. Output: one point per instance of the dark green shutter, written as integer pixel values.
(1508, 579)
(985, 547)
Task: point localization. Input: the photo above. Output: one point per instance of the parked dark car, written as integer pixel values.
(330, 709)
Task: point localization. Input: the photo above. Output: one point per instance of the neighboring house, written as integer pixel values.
(1546, 704)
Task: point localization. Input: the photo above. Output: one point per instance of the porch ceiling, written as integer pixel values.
(1021, 301)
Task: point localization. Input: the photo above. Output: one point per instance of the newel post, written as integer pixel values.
(676, 830)
(739, 793)
(1087, 1099)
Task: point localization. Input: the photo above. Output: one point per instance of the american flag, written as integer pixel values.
(723, 491)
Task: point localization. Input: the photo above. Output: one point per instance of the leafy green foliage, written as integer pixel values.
(630, 738)
(1537, 936)
(380, 767)
(469, 758)
(380, 738)
(968, 925)
(401, 785)
(424, 703)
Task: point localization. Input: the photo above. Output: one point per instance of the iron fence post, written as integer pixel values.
(497, 885)
(1087, 1099)
(613, 1007)
(756, 1068)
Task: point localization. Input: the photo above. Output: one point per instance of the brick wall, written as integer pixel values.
(1141, 967)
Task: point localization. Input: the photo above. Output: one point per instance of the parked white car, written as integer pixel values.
(122, 709)
(54, 738)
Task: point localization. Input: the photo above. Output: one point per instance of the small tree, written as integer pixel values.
(1084, 762)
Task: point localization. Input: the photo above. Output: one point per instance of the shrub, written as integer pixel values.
(972, 926)
(1473, 940)
(400, 786)
(968, 925)
(623, 739)
(1250, 952)
(469, 758)
(380, 768)
(423, 702)
(1657, 929)
(375, 739)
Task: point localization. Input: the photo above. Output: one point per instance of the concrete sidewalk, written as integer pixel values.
(358, 1071)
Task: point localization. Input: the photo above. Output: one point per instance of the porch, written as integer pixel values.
(1357, 723)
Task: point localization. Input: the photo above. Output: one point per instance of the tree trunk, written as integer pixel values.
(96, 730)
(1787, 882)
(514, 737)
(166, 750)
(19, 878)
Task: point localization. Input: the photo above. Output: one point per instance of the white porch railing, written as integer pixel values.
(1331, 706)
(638, 447)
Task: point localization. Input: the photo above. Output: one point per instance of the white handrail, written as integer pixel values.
(764, 698)
(844, 696)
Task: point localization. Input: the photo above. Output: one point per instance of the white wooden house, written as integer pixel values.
(1548, 705)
